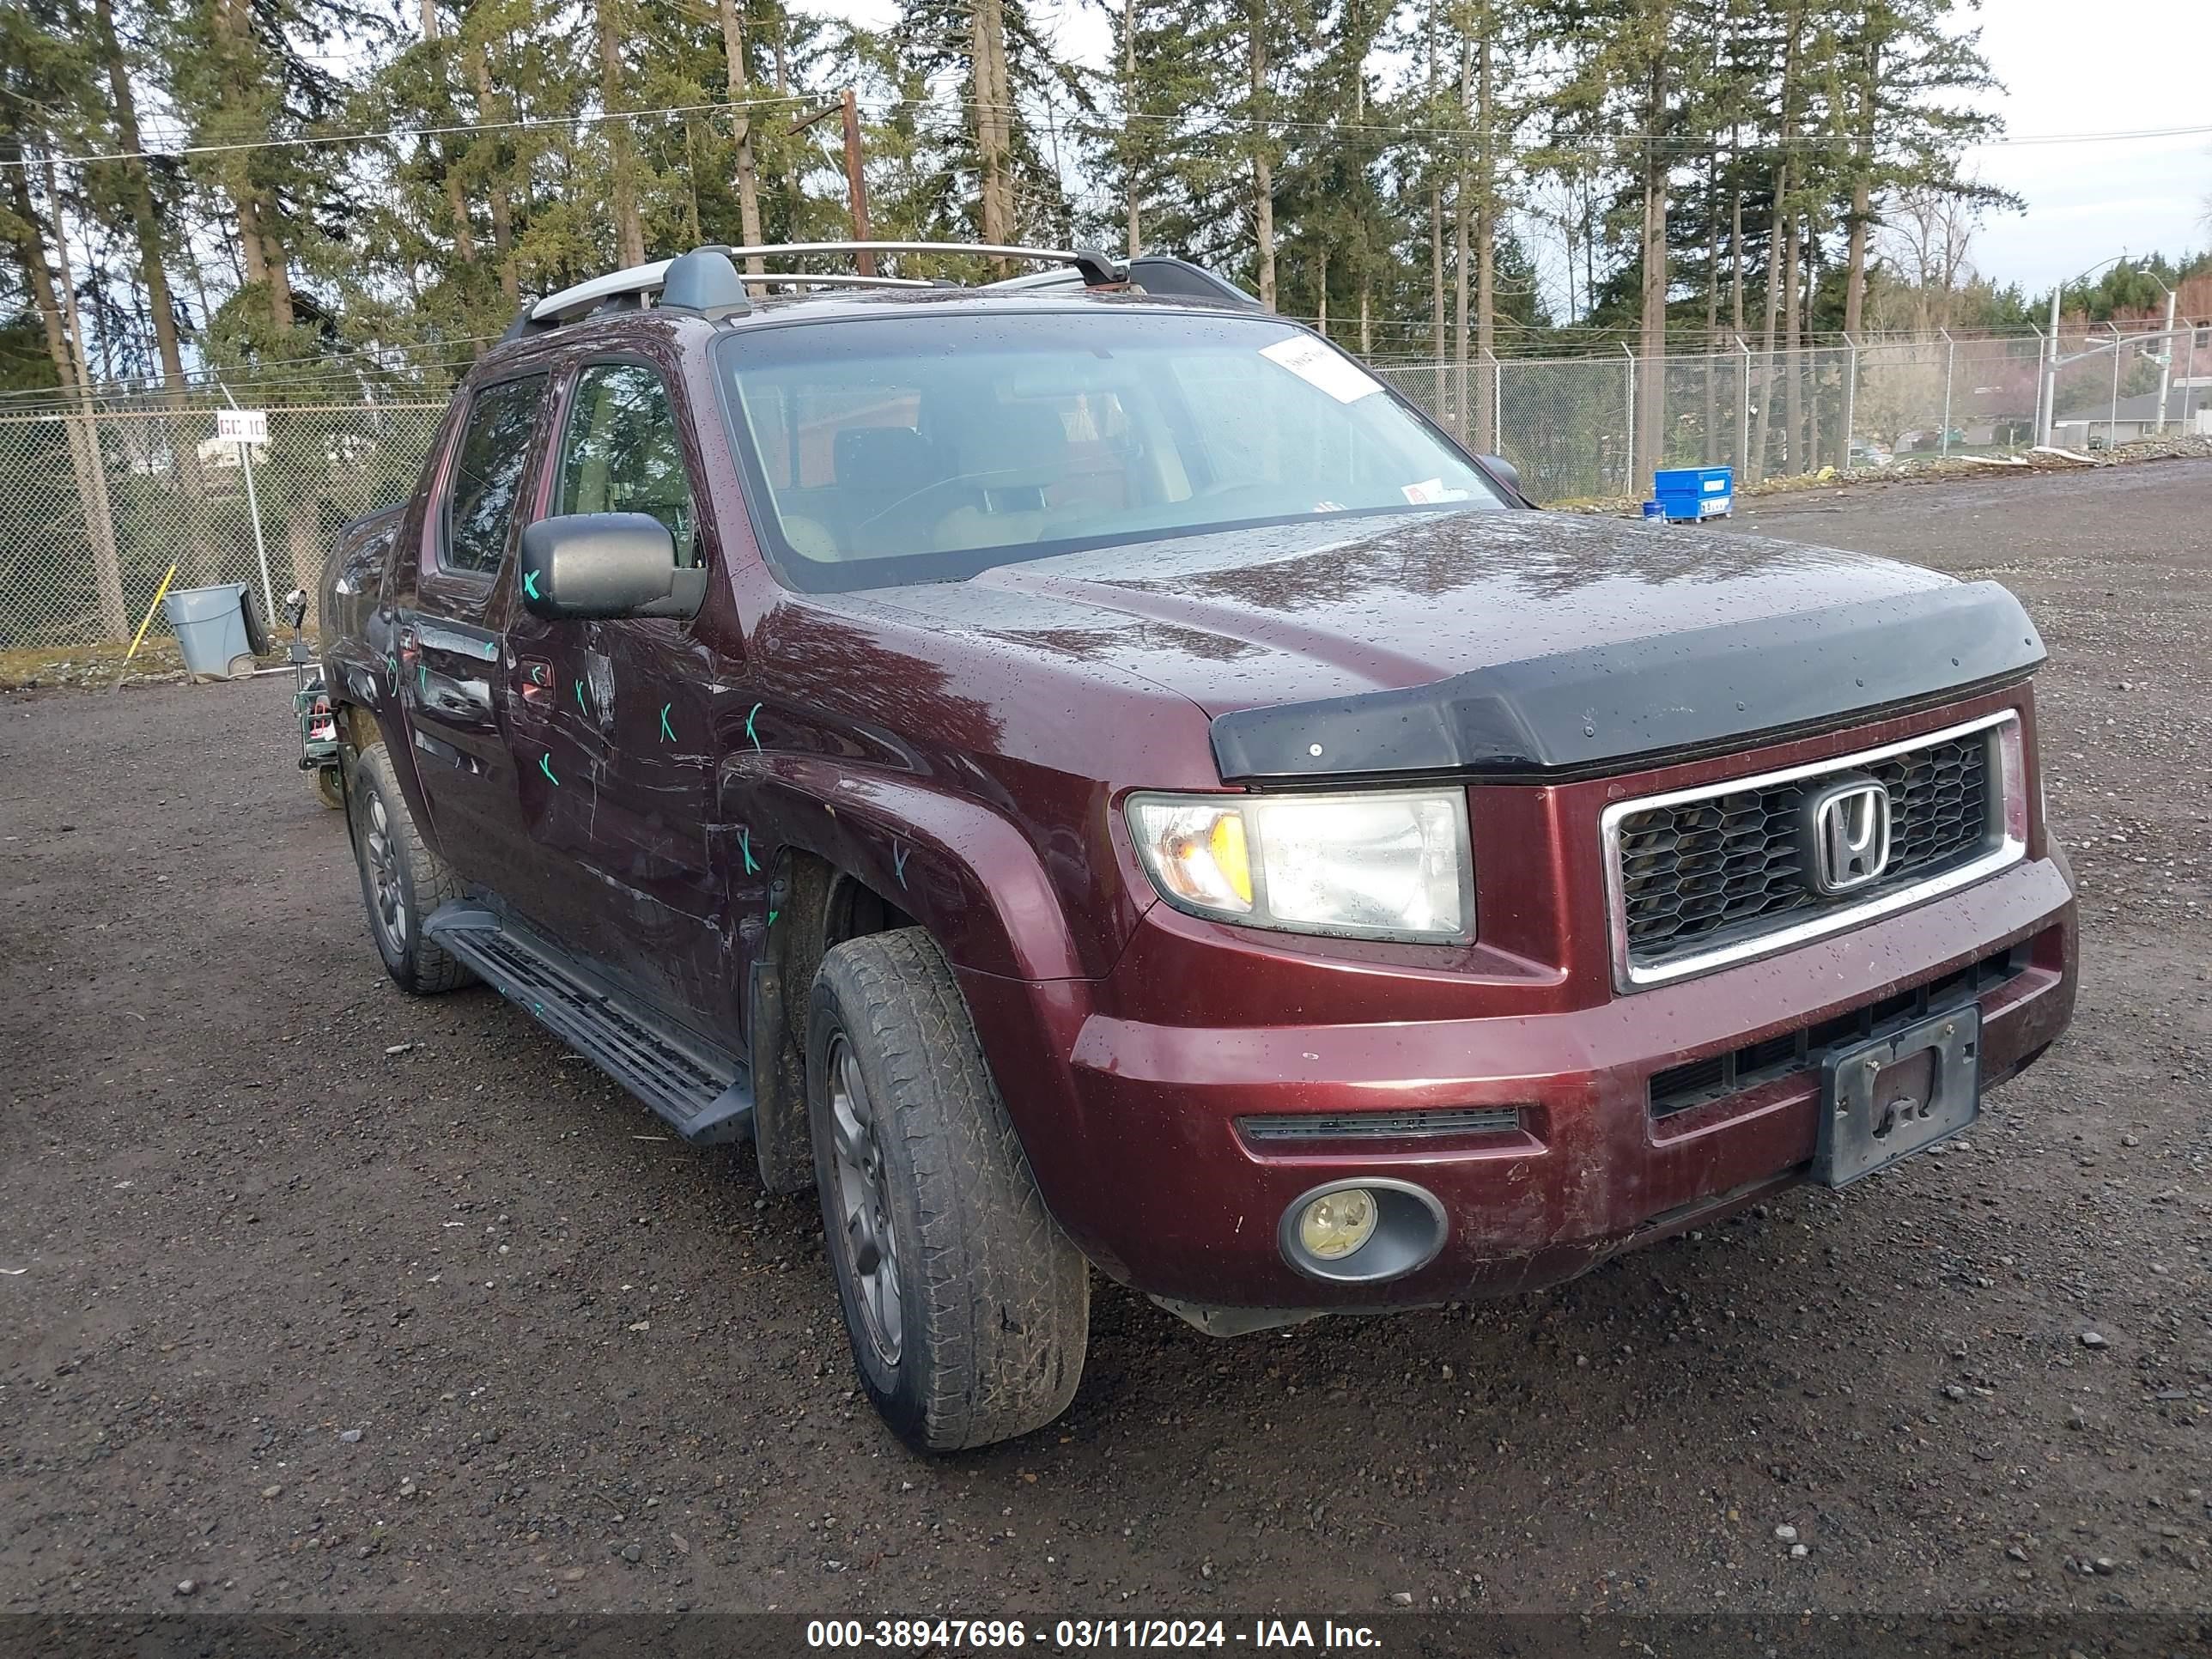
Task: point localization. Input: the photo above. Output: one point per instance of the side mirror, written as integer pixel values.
(606, 564)
(1503, 469)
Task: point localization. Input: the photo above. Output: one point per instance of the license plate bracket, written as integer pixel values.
(1898, 1095)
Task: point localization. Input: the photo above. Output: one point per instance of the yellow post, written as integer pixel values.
(139, 639)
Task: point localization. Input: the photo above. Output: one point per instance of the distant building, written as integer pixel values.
(2097, 425)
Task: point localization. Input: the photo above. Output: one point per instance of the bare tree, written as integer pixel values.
(1929, 238)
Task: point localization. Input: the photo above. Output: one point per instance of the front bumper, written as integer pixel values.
(1131, 1125)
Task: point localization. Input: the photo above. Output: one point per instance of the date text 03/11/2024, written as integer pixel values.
(1079, 1634)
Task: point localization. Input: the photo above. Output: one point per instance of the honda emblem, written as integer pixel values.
(1846, 835)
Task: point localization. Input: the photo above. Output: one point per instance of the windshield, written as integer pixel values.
(926, 448)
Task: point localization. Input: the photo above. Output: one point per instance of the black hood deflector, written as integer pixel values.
(1687, 691)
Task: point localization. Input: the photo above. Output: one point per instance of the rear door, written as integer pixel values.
(622, 711)
(449, 662)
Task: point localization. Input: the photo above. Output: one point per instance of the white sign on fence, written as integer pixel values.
(242, 426)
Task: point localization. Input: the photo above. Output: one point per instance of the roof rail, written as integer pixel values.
(808, 279)
(1096, 269)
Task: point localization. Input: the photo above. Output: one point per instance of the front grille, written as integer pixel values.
(1678, 1088)
(1696, 875)
(1426, 1124)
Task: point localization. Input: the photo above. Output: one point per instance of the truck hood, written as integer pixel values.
(1493, 640)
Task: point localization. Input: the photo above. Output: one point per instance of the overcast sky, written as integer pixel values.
(2067, 67)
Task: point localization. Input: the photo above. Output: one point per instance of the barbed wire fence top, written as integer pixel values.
(97, 501)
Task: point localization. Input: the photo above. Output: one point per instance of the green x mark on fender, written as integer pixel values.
(530, 583)
(667, 732)
(745, 851)
(545, 765)
(581, 703)
(749, 733)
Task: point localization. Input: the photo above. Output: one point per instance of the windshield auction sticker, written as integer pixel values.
(1315, 364)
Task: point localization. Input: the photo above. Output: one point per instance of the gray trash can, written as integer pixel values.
(210, 623)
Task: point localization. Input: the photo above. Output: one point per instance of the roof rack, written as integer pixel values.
(699, 277)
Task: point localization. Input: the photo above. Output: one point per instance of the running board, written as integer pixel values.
(705, 1095)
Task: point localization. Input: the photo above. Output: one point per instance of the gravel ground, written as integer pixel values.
(323, 1300)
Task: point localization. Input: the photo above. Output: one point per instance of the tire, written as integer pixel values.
(256, 625)
(330, 788)
(402, 881)
(979, 1334)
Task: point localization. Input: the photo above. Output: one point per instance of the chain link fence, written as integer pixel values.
(94, 505)
(1568, 424)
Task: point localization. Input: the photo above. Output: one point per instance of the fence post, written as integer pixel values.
(1497, 402)
(1743, 412)
(1850, 399)
(1633, 492)
(2189, 397)
(1950, 365)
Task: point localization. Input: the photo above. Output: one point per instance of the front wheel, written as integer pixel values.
(968, 1310)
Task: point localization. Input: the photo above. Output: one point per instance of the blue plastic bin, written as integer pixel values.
(1696, 492)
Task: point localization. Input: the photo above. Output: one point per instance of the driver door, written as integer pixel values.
(624, 792)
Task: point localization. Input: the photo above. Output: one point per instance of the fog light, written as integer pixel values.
(1366, 1234)
(1336, 1223)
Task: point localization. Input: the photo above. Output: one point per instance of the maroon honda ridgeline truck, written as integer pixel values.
(1086, 777)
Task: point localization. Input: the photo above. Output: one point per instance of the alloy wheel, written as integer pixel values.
(863, 1201)
(383, 878)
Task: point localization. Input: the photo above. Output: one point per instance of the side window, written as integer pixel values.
(488, 473)
(621, 453)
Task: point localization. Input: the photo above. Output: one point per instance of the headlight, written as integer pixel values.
(1393, 865)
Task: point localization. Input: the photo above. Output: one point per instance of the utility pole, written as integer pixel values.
(2165, 359)
(856, 178)
(2048, 401)
(856, 182)
(1128, 123)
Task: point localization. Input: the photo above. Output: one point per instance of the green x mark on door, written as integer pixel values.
(530, 583)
